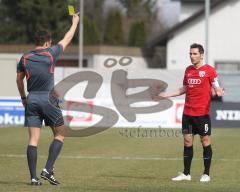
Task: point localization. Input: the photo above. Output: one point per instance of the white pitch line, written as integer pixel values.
(113, 158)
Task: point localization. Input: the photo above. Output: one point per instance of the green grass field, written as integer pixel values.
(111, 161)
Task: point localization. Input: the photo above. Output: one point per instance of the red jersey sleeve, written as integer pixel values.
(213, 75)
(185, 78)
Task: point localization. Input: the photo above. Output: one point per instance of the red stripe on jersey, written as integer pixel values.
(51, 70)
(25, 64)
(47, 53)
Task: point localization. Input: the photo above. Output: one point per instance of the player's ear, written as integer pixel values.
(45, 44)
(48, 43)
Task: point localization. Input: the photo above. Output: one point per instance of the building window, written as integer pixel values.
(67, 63)
(71, 63)
(85, 63)
(227, 66)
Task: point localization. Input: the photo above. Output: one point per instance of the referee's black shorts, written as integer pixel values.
(196, 125)
(42, 106)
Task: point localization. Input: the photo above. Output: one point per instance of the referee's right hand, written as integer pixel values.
(75, 19)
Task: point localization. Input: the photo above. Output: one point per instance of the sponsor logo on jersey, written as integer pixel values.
(194, 81)
(202, 73)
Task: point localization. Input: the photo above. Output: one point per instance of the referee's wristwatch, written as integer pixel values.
(23, 98)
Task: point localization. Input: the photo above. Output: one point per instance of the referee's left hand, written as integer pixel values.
(24, 102)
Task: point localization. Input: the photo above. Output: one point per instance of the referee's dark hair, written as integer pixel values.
(42, 37)
(200, 47)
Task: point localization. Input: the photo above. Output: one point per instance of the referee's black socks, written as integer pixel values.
(187, 159)
(32, 160)
(54, 151)
(207, 158)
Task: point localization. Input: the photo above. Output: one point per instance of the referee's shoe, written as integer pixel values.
(49, 176)
(35, 181)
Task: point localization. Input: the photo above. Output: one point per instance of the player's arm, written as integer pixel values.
(69, 35)
(19, 80)
(176, 93)
(216, 89)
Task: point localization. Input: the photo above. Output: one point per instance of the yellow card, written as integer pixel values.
(71, 10)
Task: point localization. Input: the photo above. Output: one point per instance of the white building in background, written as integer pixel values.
(189, 8)
(224, 43)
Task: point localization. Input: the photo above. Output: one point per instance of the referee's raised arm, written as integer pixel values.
(69, 35)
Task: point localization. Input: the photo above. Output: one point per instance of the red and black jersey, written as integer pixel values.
(198, 83)
(38, 65)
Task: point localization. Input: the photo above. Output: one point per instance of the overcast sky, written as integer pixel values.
(169, 10)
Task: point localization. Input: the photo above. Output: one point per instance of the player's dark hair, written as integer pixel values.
(198, 46)
(41, 37)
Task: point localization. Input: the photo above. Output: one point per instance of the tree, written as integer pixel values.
(91, 35)
(145, 11)
(137, 35)
(20, 19)
(113, 31)
(94, 10)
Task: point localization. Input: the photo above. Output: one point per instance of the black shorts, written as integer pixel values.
(196, 125)
(42, 106)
